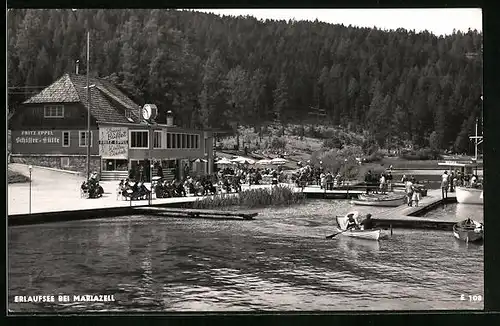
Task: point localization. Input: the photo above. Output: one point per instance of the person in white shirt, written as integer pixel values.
(382, 183)
(444, 184)
(409, 192)
(473, 181)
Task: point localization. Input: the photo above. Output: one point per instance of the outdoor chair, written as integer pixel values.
(84, 193)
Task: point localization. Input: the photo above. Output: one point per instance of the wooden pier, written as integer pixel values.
(341, 193)
(196, 213)
(409, 217)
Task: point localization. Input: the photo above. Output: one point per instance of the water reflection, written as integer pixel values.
(280, 261)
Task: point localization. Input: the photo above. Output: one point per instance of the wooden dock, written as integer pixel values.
(317, 192)
(196, 213)
(409, 217)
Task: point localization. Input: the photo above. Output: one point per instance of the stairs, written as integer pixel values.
(113, 175)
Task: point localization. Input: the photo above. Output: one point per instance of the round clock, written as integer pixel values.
(149, 112)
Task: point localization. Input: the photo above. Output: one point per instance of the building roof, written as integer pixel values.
(108, 102)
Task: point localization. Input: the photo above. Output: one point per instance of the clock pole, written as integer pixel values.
(149, 112)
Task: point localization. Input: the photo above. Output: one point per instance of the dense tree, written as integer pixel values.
(238, 90)
(281, 101)
(400, 85)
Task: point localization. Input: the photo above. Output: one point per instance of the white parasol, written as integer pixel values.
(243, 160)
(278, 161)
(264, 162)
(224, 161)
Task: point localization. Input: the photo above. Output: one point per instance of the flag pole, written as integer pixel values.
(88, 105)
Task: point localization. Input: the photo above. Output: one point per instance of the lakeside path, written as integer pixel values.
(53, 191)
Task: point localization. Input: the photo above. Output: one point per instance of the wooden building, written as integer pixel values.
(49, 129)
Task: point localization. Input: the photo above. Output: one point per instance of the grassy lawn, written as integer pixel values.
(399, 163)
(15, 177)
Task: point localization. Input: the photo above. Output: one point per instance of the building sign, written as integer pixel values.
(113, 142)
(38, 137)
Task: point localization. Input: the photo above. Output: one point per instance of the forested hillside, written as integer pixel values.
(399, 85)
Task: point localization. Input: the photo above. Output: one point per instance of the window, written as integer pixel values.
(169, 140)
(53, 111)
(157, 139)
(83, 139)
(197, 141)
(188, 145)
(192, 141)
(179, 140)
(64, 162)
(139, 139)
(184, 141)
(174, 140)
(65, 139)
(128, 114)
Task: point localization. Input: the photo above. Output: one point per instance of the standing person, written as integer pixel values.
(473, 181)
(409, 191)
(451, 181)
(444, 184)
(323, 181)
(389, 180)
(416, 195)
(382, 183)
(368, 181)
(329, 181)
(159, 170)
(404, 179)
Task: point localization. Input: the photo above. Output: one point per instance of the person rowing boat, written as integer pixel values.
(367, 223)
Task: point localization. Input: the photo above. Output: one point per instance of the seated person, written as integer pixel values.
(367, 222)
(469, 223)
(351, 224)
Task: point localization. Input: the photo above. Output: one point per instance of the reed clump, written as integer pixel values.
(253, 198)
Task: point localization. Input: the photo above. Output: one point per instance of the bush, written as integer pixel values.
(421, 155)
(15, 177)
(374, 157)
(363, 170)
(278, 143)
(332, 143)
(278, 195)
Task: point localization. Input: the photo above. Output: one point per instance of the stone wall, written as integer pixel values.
(76, 163)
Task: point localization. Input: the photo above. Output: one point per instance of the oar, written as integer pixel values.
(333, 235)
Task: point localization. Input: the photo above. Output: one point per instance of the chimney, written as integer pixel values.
(77, 66)
(170, 119)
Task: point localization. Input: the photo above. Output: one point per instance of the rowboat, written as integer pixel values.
(468, 232)
(466, 195)
(342, 222)
(379, 200)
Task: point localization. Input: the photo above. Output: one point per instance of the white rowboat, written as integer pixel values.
(342, 222)
(468, 232)
(469, 195)
(382, 201)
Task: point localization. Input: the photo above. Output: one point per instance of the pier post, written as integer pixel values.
(391, 229)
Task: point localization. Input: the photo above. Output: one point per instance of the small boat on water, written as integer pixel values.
(382, 200)
(342, 221)
(467, 195)
(468, 230)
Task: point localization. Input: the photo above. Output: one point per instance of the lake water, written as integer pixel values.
(279, 262)
(459, 211)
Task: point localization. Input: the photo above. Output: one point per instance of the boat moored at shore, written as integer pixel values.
(380, 200)
(468, 195)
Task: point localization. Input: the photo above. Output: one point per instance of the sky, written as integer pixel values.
(436, 21)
